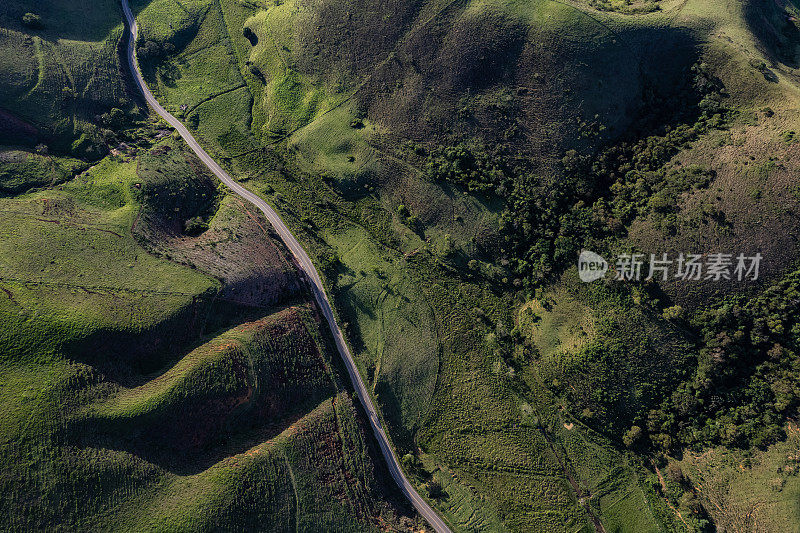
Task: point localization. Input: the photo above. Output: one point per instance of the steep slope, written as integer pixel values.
(60, 74)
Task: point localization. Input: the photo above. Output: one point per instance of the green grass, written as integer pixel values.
(111, 426)
(331, 146)
(609, 358)
(397, 342)
(285, 482)
(438, 335)
(558, 323)
(21, 170)
(61, 77)
(168, 20)
(85, 230)
(748, 490)
(290, 99)
(71, 267)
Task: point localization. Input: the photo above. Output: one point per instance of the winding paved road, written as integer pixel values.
(308, 268)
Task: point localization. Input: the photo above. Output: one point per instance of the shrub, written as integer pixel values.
(673, 313)
(631, 436)
(434, 488)
(154, 50)
(250, 36)
(33, 21)
(195, 226)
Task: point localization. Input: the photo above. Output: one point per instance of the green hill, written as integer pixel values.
(161, 365)
(444, 162)
(456, 156)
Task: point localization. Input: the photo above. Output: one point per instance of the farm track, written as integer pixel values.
(306, 265)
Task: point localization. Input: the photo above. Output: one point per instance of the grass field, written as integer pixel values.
(519, 397)
(751, 492)
(21, 170)
(134, 399)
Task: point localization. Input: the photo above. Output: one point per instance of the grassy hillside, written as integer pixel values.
(161, 365)
(62, 73)
(446, 161)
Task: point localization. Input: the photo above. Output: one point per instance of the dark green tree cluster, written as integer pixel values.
(32, 21)
(544, 220)
(153, 50)
(747, 379)
(548, 220)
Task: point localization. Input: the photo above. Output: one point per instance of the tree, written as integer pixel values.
(411, 463)
(673, 313)
(250, 36)
(631, 436)
(329, 263)
(116, 117)
(415, 224)
(675, 473)
(33, 21)
(150, 50)
(195, 226)
(434, 488)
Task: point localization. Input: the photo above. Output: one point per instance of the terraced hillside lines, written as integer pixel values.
(749, 493)
(200, 79)
(307, 266)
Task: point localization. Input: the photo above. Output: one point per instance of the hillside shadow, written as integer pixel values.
(220, 398)
(187, 442)
(775, 30)
(74, 20)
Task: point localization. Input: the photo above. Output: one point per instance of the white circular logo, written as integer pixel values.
(591, 266)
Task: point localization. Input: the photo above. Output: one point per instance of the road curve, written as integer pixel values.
(308, 268)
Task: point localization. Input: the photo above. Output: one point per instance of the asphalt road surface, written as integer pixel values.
(311, 275)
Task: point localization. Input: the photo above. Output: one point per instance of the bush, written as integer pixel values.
(632, 436)
(673, 313)
(250, 36)
(154, 50)
(33, 21)
(411, 463)
(195, 226)
(434, 488)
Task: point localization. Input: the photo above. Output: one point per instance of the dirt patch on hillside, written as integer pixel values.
(752, 206)
(241, 250)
